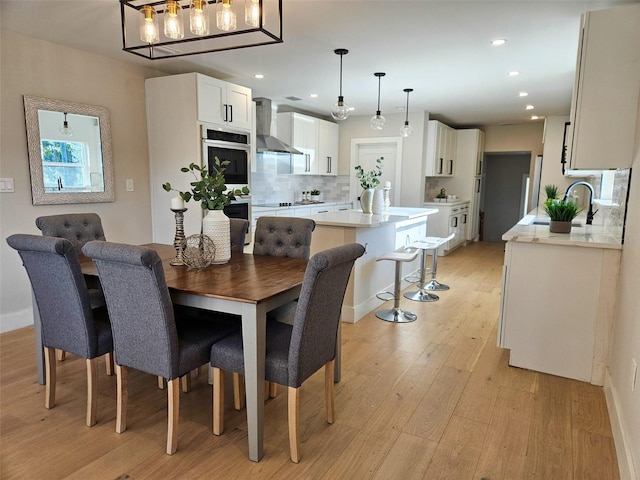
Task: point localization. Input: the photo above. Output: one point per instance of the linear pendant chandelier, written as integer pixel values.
(176, 28)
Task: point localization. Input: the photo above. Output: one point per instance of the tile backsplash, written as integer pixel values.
(268, 186)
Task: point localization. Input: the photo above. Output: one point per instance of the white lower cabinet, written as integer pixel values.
(557, 308)
(451, 218)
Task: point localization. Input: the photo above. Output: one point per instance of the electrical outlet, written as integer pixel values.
(129, 184)
(634, 374)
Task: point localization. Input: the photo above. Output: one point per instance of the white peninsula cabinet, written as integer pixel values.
(452, 217)
(605, 97)
(558, 300)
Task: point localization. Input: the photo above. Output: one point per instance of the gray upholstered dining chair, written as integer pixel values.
(149, 333)
(239, 228)
(68, 321)
(78, 228)
(295, 352)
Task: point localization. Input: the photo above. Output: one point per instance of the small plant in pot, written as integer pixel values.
(368, 181)
(561, 214)
(315, 195)
(552, 193)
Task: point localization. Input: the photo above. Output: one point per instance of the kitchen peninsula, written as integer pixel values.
(379, 234)
(558, 297)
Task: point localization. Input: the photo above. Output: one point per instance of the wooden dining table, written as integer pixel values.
(248, 286)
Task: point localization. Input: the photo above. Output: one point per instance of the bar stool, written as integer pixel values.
(396, 314)
(433, 284)
(421, 295)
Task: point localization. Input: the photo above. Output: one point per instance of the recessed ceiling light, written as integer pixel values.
(498, 42)
(523, 94)
(529, 107)
(313, 95)
(514, 74)
(258, 75)
(534, 117)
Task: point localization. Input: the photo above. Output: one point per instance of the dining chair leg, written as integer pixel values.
(238, 391)
(185, 381)
(92, 391)
(122, 395)
(173, 413)
(218, 401)
(108, 360)
(294, 424)
(50, 377)
(329, 391)
(273, 390)
(61, 355)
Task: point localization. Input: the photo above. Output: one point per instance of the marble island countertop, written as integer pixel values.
(594, 236)
(357, 219)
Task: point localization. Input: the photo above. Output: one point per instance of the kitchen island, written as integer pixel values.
(379, 234)
(558, 297)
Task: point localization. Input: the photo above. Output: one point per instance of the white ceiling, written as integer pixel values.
(440, 49)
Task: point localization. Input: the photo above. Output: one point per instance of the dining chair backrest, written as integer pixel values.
(140, 308)
(283, 236)
(317, 317)
(239, 228)
(79, 228)
(61, 293)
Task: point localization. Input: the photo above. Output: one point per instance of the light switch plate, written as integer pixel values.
(6, 185)
(129, 184)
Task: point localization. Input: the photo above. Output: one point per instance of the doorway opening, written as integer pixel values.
(506, 192)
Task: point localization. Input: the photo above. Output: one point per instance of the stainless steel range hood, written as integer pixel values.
(265, 142)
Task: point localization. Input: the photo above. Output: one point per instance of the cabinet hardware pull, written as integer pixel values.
(231, 113)
(226, 112)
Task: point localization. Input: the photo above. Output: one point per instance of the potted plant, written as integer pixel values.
(442, 196)
(369, 181)
(552, 193)
(561, 214)
(210, 190)
(315, 195)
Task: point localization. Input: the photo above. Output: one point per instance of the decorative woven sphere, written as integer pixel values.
(199, 251)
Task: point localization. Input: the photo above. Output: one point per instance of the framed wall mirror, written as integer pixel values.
(69, 152)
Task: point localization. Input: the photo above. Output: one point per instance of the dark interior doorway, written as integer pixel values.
(505, 187)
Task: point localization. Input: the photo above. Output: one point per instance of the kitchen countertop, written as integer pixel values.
(594, 236)
(357, 219)
(458, 201)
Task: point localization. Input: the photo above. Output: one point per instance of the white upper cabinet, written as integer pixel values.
(317, 140)
(222, 103)
(440, 153)
(328, 135)
(605, 98)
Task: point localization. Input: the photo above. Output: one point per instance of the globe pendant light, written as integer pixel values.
(377, 121)
(65, 129)
(340, 110)
(407, 129)
(173, 25)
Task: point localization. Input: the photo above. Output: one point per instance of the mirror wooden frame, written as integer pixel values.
(39, 196)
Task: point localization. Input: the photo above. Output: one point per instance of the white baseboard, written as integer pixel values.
(16, 320)
(620, 437)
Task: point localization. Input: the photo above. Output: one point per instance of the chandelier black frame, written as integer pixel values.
(268, 31)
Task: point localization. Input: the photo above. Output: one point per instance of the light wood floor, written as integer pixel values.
(432, 399)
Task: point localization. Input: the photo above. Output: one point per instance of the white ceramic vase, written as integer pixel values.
(377, 205)
(215, 225)
(366, 200)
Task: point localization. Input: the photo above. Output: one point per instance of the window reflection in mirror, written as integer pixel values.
(69, 152)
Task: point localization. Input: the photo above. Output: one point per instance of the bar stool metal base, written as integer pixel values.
(435, 285)
(421, 296)
(396, 315)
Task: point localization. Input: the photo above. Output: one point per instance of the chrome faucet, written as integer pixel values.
(590, 213)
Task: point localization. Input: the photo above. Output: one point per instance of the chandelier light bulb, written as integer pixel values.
(340, 110)
(148, 25)
(173, 25)
(252, 13)
(225, 16)
(377, 121)
(65, 129)
(199, 17)
(407, 129)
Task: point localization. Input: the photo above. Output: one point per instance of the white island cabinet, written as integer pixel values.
(379, 234)
(558, 299)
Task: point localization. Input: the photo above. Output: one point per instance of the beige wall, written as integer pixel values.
(34, 67)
